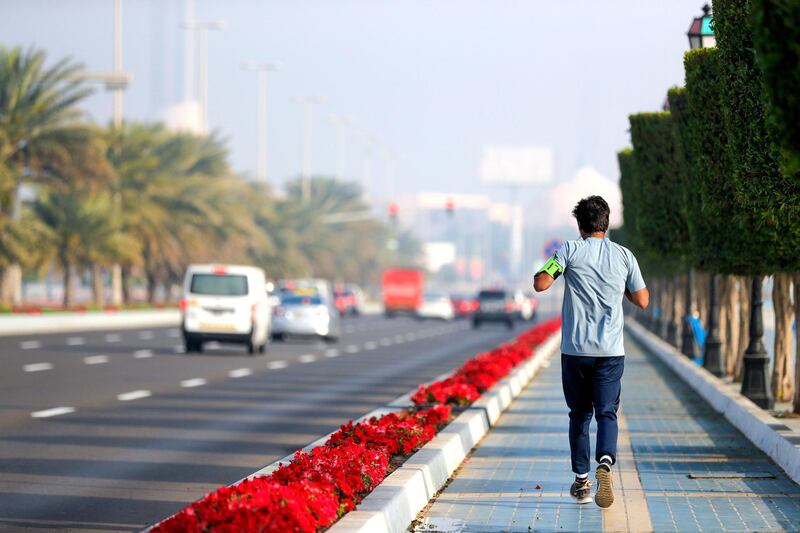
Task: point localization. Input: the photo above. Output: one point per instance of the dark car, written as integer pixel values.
(495, 305)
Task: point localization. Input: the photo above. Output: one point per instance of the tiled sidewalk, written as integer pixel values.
(682, 467)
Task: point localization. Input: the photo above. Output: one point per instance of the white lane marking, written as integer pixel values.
(240, 373)
(194, 382)
(333, 352)
(277, 365)
(386, 341)
(180, 348)
(411, 336)
(143, 354)
(174, 332)
(145, 335)
(133, 395)
(37, 367)
(30, 345)
(55, 411)
(95, 360)
(113, 337)
(74, 341)
(352, 349)
(399, 338)
(370, 345)
(307, 358)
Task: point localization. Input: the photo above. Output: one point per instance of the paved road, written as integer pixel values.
(111, 431)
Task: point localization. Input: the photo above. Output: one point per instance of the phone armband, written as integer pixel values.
(552, 267)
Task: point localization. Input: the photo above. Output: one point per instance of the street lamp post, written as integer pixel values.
(755, 381)
(339, 123)
(308, 103)
(261, 70)
(712, 354)
(202, 28)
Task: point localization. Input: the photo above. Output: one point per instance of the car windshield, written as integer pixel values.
(492, 295)
(219, 285)
(301, 300)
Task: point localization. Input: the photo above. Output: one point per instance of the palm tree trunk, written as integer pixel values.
(5, 299)
(97, 285)
(66, 269)
(152, 283)
(782, 369)
(126, 279)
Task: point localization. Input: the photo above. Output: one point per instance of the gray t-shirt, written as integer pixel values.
(596, 274)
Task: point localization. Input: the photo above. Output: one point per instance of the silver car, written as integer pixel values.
(305, 316)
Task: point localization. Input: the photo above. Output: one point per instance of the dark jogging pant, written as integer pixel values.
(591, 384)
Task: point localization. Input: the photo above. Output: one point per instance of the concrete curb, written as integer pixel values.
(395, 503)
(764, 430)
(88, 321)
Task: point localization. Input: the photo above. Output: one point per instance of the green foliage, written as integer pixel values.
(716, 234)
(659, 217)
(627, 234)
(768, 203)
(776, 34)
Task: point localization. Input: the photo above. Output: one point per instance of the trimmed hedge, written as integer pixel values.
(770, 203)
(627, 235)
(776, 35)
(716, 236)
(660, 223)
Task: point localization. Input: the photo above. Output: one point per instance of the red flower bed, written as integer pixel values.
(481, 372)
(313, 490)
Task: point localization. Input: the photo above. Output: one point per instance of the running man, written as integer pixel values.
(597, 273)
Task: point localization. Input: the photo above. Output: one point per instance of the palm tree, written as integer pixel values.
(344, 249)
(39, 133)
(178, 199)
(83, 232)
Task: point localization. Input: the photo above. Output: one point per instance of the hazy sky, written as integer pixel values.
(433, 80)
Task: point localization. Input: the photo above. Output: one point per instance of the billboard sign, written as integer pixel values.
(517, 165)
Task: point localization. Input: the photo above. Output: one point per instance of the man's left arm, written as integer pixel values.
(551, 270)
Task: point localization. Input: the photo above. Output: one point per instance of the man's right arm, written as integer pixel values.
(640, 298)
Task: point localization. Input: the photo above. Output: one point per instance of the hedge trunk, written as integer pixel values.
(782, 368)
(729, 321)
(744, 332)
(796, 284)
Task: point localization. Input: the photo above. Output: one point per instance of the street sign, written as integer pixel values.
(551, 247)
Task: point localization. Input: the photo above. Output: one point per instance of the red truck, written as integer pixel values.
(402, 290)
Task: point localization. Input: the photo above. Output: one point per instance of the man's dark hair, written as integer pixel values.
(592, 214)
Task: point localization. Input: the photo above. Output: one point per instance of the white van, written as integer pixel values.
(226, 303)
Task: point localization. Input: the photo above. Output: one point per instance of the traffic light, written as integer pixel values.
(393, 210)
(450, 207)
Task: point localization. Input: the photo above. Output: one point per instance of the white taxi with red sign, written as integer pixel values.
(226, 303)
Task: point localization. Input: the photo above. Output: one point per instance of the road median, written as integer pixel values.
(384, 468)
(87, 321)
